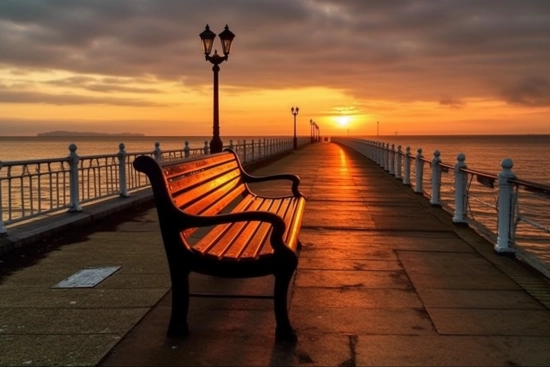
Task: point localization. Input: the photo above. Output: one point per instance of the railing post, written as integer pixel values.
(460, 190)
(74, 205)
(398, 162)
(386, 156)
(3, 229)
(266, 153)
(383, 155)
(407, 167)
(419, 172)
(231, 146)
(206, 146)
(252, 150)
(436, 179)
(391, 157)
(122, 171)
(158, 153)
(259, 149)
(505, 207)
(186, 150)
(244, 150)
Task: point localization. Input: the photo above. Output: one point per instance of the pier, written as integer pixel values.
(384, 278)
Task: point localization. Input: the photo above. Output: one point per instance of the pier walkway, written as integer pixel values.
(383, 279)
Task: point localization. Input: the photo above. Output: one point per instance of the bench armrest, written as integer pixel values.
(283, 176)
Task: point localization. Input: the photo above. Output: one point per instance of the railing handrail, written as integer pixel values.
(532, 186)
(33, 161)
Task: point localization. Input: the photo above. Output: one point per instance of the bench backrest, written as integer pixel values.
(205, 185)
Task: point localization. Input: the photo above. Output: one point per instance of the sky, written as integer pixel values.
(354, 67)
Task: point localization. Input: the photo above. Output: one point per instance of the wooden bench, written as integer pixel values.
(213, 224)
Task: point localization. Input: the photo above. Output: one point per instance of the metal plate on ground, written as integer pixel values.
(87, 278)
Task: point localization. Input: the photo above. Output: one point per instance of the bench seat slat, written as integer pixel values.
(201, 182)
(216, 233)
(226, 239)
(249, 232)
(224, 202)
(216, 200)
(291, 239)
(179, 168)
(257, 243)
(285, 211)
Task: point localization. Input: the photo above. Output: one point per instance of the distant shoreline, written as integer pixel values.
(85, 133)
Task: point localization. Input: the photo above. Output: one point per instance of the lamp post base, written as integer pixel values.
(295, 143)
(216, 145)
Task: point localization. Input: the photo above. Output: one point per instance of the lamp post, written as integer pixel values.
(207, 38)
(316, 131)
(311, 122)
(294, 111)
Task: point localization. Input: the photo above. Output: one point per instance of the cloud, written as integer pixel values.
(529, 92)
(403, 50)
(452, 103)
(108, 85)
(70, 99)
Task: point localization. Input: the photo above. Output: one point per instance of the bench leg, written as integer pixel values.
(284, 331)
(180, 306)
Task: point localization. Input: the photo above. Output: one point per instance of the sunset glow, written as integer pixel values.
(417, 67)
(343, 120)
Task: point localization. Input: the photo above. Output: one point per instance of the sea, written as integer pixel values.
(529, 153)
(40, 147)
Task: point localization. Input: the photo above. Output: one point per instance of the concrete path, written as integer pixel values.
(383, 279)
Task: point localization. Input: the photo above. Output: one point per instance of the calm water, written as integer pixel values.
(19, 148)
(530, 153)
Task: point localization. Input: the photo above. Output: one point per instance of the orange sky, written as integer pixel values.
(417, 67)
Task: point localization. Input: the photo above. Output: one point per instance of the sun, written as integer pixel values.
(342, 120)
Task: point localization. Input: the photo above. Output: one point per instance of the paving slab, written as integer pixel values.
(440, 350)
(503, 322)
(478, 299)
(55, 349)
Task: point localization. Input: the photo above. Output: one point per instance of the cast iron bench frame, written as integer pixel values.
(248, 235)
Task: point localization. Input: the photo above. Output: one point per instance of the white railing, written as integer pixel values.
(33, 188)
(508, 211)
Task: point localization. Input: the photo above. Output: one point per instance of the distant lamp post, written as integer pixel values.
(311, 122)
(295, 112)
(207, 38)
(316, 131)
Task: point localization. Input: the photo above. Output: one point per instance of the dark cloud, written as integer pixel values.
(70, 99)
(529, 92)
(109, 85)
(452, 103)
(401, 50)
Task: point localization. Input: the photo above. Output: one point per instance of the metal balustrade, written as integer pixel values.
(506, 210)
(33, 188)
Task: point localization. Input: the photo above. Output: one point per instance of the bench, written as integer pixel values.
(213, 224)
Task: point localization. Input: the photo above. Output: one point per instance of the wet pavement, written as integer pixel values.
(384, 279)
